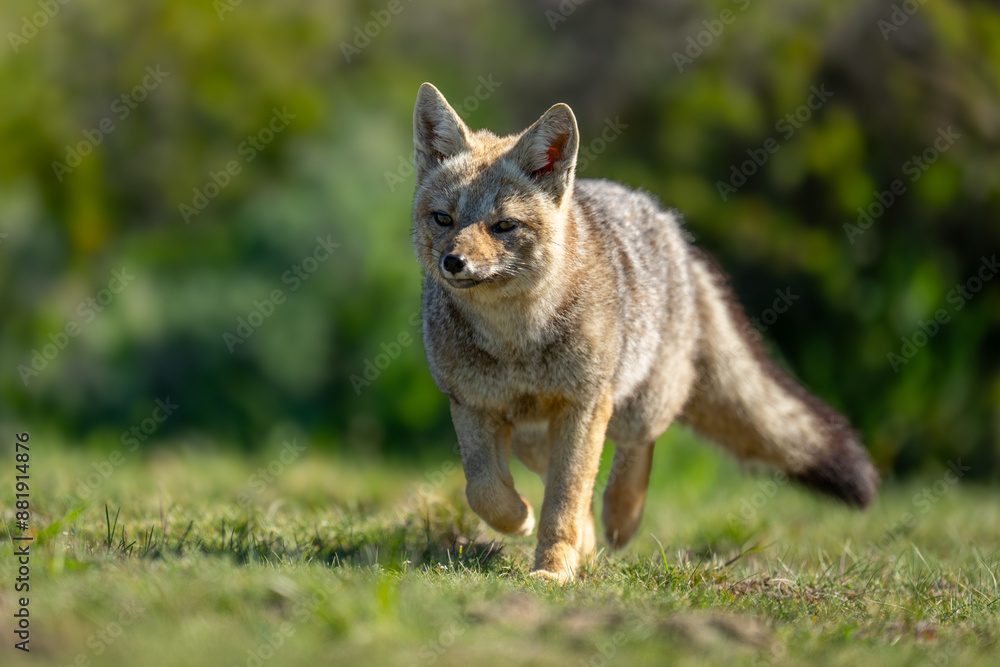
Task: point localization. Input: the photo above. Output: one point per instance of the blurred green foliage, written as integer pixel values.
(700, 88)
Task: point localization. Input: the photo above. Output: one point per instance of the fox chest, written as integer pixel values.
(495, 379)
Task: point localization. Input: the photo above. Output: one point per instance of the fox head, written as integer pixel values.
(489, 212)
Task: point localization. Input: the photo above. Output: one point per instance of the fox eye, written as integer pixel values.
(504, 226)
(442, 219)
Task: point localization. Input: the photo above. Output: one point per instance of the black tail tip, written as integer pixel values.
(842, 470)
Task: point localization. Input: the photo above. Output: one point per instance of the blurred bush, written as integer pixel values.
(213, 153)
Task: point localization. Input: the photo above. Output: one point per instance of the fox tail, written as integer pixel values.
(745, 402)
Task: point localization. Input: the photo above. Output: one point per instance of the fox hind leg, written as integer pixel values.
(530, 445)
(587, 546)
(625, 494)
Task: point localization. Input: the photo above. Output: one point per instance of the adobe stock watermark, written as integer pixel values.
(248, 150)
(100, 641)
(749, 507)
(259, 480)
(697, 43)
(961, 294)
(295, 276)
(773, 654)
(566, 9)
(787, 126)
(434, 480)
(273, 642)
(618, 467)
(941, 655)
(130, 441)
(431, 651)
(363, 35)
(420, 496)
(119, 109)
(588, 152)
(404, 167)
(30, 25)
(87, 311)
(915, 167)
(638, 626)
(223, 7)
(922, 502)
(390, 351)
(753, 330)
(782, 302)
(900, 16)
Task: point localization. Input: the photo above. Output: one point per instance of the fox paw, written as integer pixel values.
(528, 526)
(563, 577)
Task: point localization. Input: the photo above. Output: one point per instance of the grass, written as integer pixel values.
(185, 558)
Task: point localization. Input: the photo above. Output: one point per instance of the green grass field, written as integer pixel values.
(187, 558)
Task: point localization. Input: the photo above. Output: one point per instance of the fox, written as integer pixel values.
(558, 314)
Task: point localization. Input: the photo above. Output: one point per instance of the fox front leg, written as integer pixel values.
(484, 441)
(565, 528)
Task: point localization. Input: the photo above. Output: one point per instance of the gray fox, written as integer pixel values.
(559, 313)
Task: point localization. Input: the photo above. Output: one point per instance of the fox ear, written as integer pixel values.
(547, 150)
(438, 132)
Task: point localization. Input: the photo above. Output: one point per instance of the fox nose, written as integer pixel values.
(453, 264)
